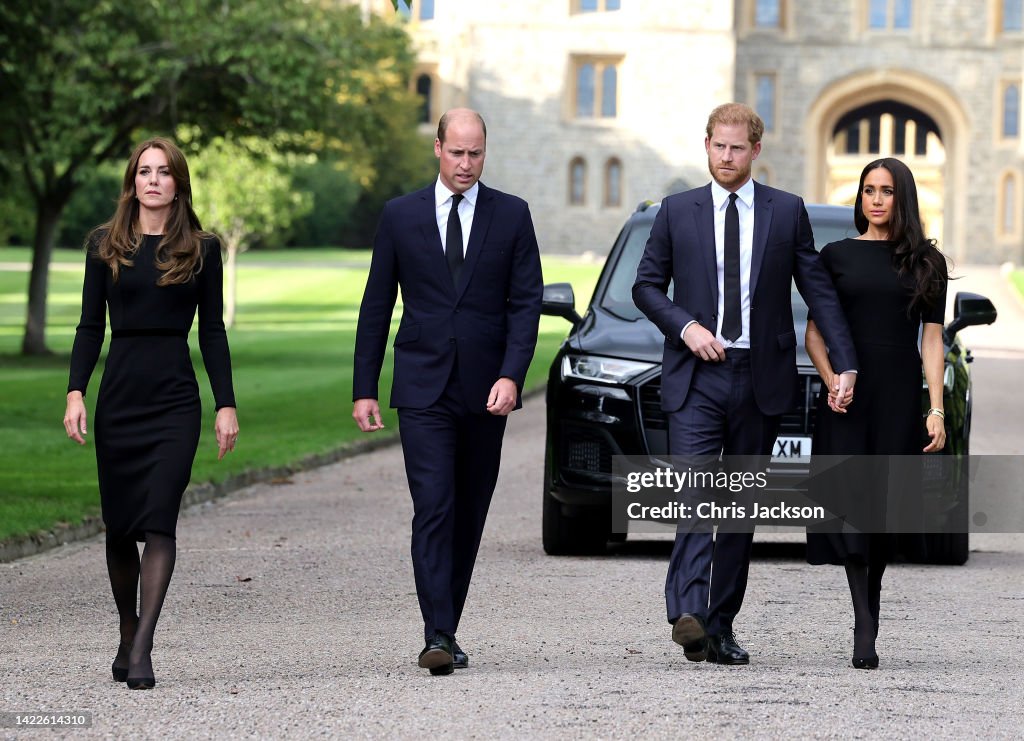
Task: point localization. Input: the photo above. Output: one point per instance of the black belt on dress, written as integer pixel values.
(154, 332)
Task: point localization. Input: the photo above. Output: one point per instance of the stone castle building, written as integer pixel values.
(595, 105)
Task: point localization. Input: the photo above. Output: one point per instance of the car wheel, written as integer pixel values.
(951, 548)
(586, 533)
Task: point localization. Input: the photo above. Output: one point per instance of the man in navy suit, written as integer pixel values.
(733, 248)
(466, 259)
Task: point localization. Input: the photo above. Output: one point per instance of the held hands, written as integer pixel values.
(840, 391)
(226, 429)
(366, 413)
(936, 427)
(74, 417)
(703, 344)
(502, 398)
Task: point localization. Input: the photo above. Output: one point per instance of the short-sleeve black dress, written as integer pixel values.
(885, 415)
(148, 413)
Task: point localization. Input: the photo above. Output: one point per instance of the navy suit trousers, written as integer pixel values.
(707, 574)
(452, 457)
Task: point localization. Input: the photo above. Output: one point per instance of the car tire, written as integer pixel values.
(950, 548)
(946, 549)
(572, 535)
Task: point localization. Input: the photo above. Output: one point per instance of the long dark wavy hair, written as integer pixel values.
(913, 254)
(179, 255)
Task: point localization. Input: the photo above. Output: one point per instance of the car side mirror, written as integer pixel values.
(559, 300)
(970, 309)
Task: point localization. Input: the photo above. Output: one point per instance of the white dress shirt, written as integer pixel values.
(745, 207)
(443, 207)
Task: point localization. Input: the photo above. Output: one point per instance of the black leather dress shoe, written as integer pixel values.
(437, 655)
(459, 658)
(723, 649)
(689, 632)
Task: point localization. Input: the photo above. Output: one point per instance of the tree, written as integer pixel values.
(243, 191)
(80, 79)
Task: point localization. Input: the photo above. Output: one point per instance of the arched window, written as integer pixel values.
(577, 182)
(1011, 110)
(424, 86)
(613, 183)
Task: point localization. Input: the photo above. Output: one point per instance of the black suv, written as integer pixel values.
(604, 396)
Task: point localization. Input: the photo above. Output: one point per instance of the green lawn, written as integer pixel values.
(1017, 278)
(291, 350)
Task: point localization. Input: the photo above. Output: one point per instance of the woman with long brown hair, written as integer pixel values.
(891, 282)
(152, 266)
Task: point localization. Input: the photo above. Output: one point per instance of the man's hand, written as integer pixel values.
(502, 398)
(703, 344)
(366, 413)
(844, 390)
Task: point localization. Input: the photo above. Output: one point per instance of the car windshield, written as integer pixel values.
(617, 297)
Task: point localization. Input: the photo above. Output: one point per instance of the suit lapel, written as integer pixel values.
(704, 215)
(762, 225)
(482, 213)
(432, 239)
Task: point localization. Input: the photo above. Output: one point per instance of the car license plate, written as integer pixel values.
(791, 450)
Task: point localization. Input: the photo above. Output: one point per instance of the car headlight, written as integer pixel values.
(601, 369)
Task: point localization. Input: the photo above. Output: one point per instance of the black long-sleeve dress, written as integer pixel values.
(884, 418)
(148, 413)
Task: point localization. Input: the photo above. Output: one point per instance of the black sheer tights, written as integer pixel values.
(866, 591)
(143, 583)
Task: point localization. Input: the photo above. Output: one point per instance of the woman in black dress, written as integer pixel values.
(890, 280)
(152, 266)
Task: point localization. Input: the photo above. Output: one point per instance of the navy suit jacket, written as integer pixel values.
(682, 248)
(488, 323)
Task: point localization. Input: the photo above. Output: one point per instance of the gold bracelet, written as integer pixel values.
(937, 412)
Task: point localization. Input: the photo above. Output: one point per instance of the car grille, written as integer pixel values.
(799, 421)
(651, 415)
(585, 450)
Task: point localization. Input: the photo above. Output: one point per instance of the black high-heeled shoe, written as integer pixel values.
(120, 673)
(140, 683)
(868, 662)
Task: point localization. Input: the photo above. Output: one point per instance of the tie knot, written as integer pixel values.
(457, 199)
(732, 198)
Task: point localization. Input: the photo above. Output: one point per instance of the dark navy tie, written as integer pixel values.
(732, 318)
